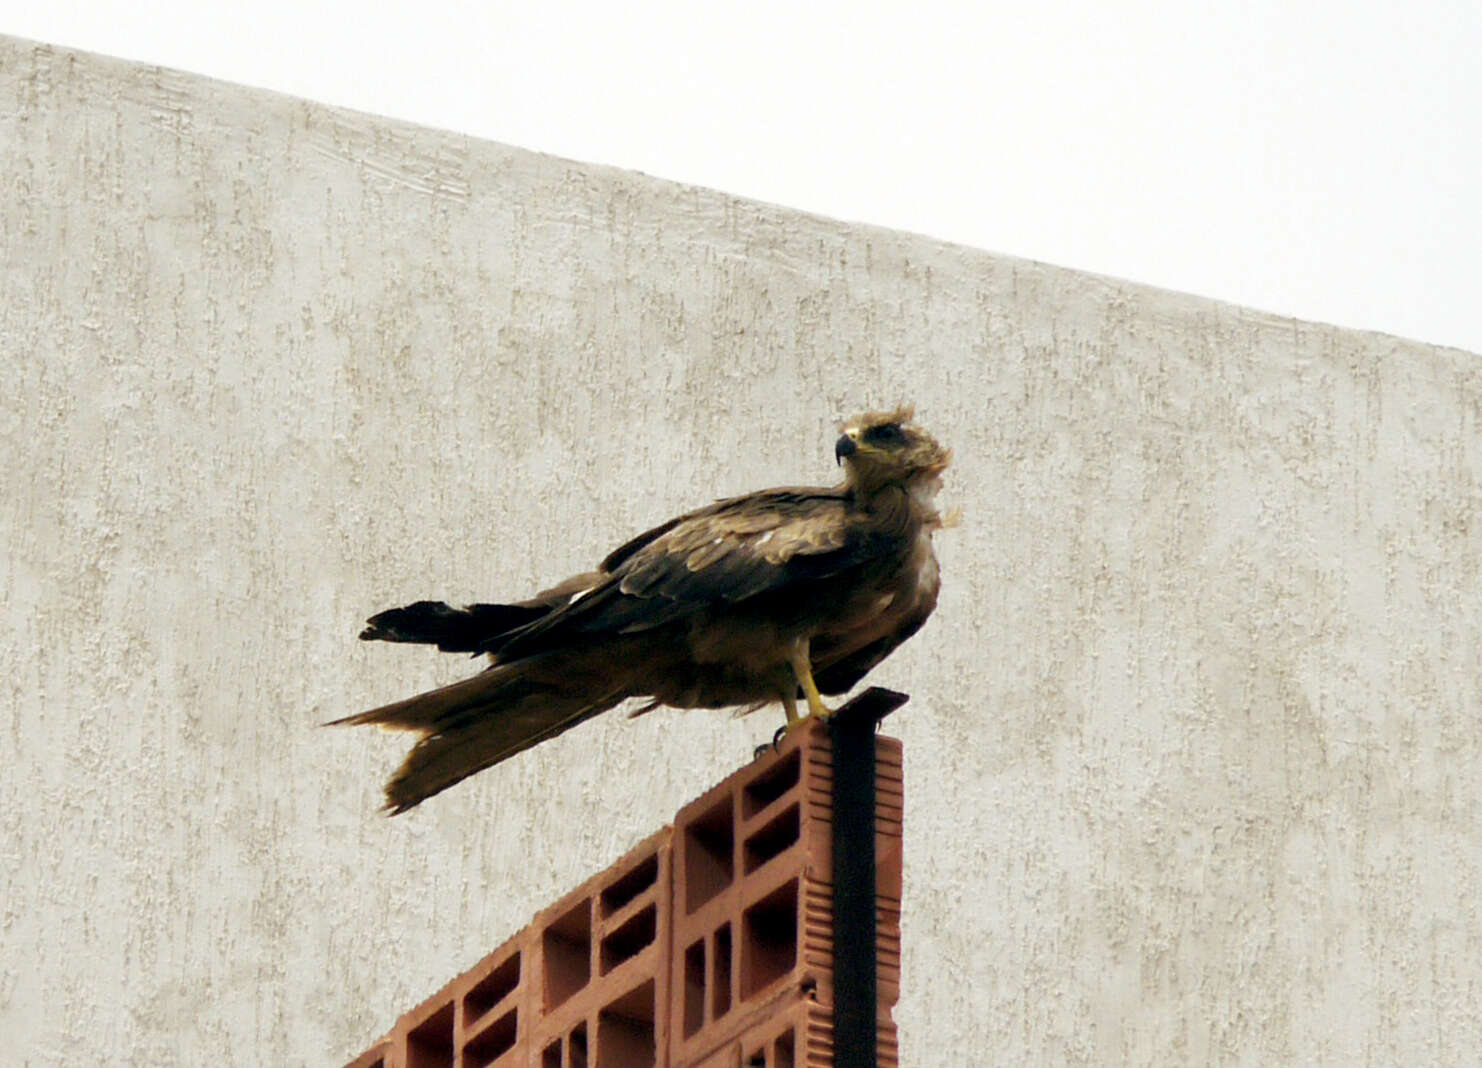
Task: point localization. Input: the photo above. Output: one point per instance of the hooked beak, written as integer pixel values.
(845, 446)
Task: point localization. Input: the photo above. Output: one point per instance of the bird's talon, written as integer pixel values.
(782, 732)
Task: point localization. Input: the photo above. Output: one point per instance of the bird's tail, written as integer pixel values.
(474, 724)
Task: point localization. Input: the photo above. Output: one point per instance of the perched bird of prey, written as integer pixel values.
(778, 595)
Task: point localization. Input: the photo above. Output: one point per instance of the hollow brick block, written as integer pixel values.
(753, 893)
(601, 978)
(478, 1020)
(799, 1036)
(710, 941)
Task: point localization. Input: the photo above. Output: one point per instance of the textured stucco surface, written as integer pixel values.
(1193, 755)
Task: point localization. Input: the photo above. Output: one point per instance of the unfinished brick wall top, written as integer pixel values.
(708, 945)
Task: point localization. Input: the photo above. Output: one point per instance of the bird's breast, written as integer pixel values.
(903, 587)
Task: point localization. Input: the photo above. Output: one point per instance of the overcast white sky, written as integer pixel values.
(1322, 160)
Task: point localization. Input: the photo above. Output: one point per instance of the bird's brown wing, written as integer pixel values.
(558, 670)
(751, 511)
(734, 550)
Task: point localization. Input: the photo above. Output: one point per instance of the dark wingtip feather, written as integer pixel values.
(478, 628)
(418, 622)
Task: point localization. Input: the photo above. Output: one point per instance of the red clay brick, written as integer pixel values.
(490, 1012)
(602, 967)
(799, 1036)
(479, 1020)
(375, 1057)
(710, 941)
(753, 892)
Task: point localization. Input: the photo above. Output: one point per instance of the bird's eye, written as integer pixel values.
(884, 434)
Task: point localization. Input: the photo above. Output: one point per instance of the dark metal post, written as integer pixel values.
(855, 986)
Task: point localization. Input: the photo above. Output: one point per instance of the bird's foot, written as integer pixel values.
(816, 710)
(819, 711)
(775, 745)
(821, 714)
(780, 733)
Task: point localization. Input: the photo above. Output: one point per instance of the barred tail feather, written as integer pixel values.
(441, 760)
(433, 710)
(476, 723)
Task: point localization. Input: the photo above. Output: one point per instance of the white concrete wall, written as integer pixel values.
(1193, 753)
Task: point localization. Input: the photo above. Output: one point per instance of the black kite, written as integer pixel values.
(774, 596)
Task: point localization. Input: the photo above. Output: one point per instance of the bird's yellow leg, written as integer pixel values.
(789, 704)
(787, 693)
(802, 668)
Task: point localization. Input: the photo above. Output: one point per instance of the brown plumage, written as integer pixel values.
(776, 595)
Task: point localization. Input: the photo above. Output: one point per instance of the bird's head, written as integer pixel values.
(885, 448)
